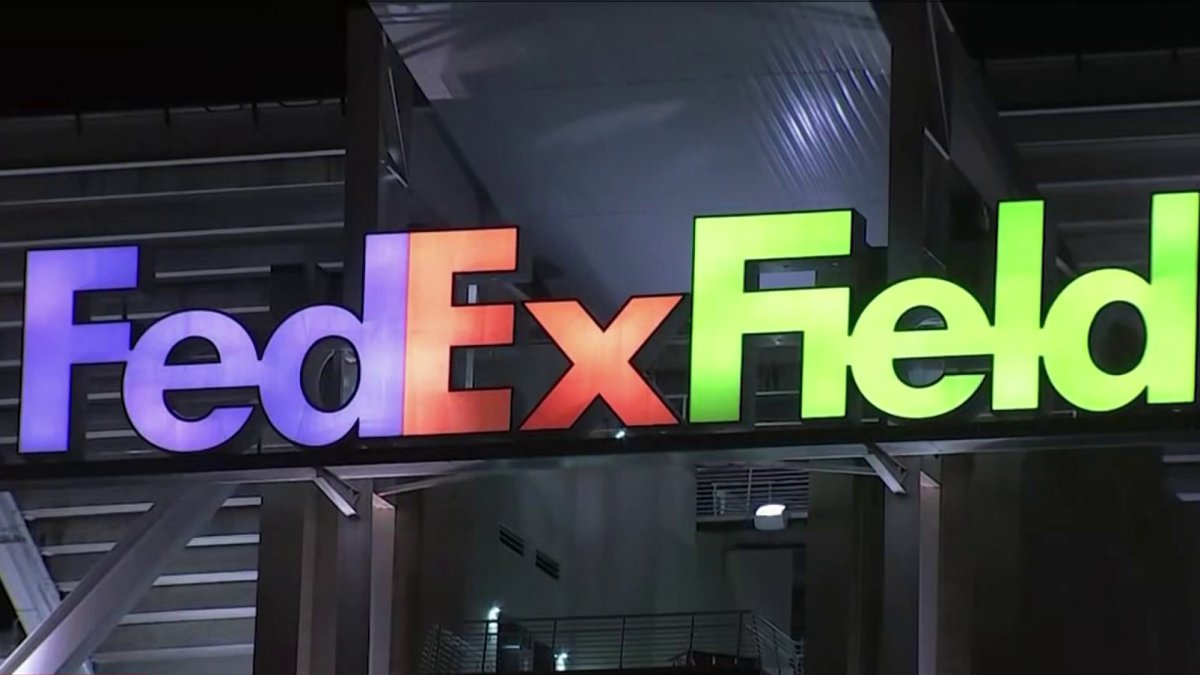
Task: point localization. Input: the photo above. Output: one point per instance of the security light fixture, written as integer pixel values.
(772, 516)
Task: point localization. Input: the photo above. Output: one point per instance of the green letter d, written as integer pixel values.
(1167, 303)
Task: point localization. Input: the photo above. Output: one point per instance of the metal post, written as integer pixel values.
(437, 651)
(749, 489)
(554, 641)
(621, 654)
(738, 649)
(114, 584)
(487, 633)
(691, 640)
(775, 648)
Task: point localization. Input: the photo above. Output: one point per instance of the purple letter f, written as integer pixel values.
(53, 342)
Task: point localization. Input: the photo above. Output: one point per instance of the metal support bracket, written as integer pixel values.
(886, 467)
(343, 497)
(78, 625)
(419, 484)
(840, 466)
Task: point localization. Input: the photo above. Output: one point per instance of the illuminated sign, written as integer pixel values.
(1017, 338)
(409, 326)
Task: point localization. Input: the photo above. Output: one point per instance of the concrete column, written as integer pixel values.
(955, 568)
(979, 566)
(911, 533)
(1065, 561)
(358, 552)
(325, 585)
(911, 113)
(366, 78)
(352, 588)
(407, 628)
(842, 574)
(1094, 527)
(1181, 649)
(286, 566)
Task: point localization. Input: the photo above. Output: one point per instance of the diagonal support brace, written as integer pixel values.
(341, 495)
(28, 583)
(850, 467)
(115, 583)
(887, 468)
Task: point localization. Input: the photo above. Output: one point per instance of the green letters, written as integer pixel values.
(1017, 339)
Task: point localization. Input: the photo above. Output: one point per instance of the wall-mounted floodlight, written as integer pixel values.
(770, 517)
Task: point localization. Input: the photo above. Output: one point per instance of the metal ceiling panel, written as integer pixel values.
(603, 128)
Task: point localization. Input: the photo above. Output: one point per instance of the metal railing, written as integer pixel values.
(737, 641)
(734, 492)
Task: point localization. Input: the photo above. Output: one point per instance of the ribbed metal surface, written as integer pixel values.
(592, 130)
(1097, 166)
(735, 492)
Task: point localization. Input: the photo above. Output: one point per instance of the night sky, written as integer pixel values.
(60, 58)
(64, 58)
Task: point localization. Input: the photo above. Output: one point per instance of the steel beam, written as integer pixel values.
(113, 586)
(847, 466)
(30, 587)
(169, 163)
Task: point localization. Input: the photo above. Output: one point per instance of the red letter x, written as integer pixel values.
(600, 362)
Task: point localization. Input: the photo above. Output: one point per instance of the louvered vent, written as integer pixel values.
(547, 564)
(512, 541)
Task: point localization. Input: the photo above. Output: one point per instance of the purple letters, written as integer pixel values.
(54, 342)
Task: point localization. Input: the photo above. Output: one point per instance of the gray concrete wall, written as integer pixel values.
(762, 580)
(625, 538)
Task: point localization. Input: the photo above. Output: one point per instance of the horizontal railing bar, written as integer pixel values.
(617, 617)
(162, 163)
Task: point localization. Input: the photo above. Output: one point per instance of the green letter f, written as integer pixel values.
(724, 311)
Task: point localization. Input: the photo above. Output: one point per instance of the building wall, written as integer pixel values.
(624, 537)
(763, 580)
